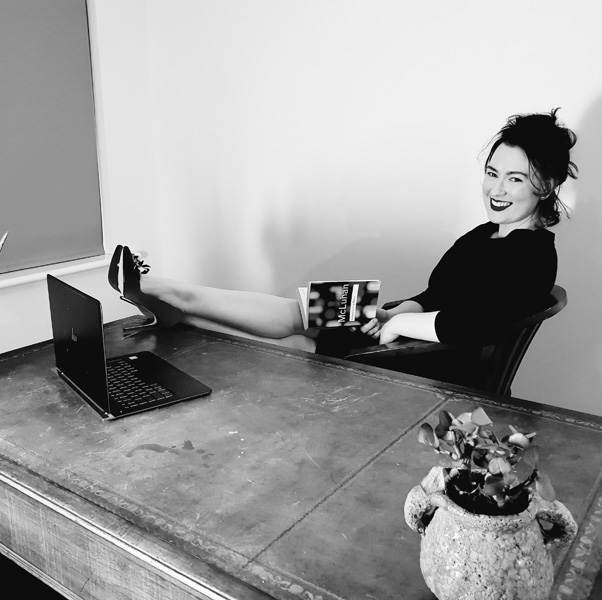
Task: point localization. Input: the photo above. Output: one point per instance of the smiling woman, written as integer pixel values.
(492, 276)
(528, 162)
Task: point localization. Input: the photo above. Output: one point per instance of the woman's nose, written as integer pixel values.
(499, 189)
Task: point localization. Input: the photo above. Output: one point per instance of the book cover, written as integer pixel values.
(327, 304)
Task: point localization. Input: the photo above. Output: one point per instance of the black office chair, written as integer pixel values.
(497, 363)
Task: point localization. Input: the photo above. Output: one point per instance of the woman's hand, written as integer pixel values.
(374, 326)
(407, 319)
(389, 331)
(420, 326)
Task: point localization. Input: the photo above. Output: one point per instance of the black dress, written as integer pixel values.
(480, 287)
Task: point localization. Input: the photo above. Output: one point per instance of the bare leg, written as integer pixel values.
(303, 341)
(253, 313)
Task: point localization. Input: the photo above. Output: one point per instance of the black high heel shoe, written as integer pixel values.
(114, 268)
(159, 314)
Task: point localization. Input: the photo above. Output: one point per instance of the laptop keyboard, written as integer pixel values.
(128, 390)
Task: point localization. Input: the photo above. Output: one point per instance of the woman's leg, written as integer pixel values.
(303, 341)
(254, 313)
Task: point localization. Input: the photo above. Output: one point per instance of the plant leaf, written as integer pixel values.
(518, 439)
(443, 445)
(479, 417)
(531, 457)
(466, 427)
(494, 484)
(463, 418)
(485, 446)
(445, 421)
(427, 436)
(499, 466)
(480, 459)
(544, 488)
(522, 470)
(449, 436)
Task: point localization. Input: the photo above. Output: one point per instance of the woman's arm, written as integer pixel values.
(407, 306)
(407, 319)
(420, 326)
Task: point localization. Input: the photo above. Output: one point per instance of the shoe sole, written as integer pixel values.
(114, 268)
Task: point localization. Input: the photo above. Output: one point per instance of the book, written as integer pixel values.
(326, 304)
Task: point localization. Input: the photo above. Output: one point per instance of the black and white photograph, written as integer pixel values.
(300, 300)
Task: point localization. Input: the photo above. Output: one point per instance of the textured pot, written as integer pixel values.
(464, 556)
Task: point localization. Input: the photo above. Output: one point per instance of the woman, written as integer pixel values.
(492, 276)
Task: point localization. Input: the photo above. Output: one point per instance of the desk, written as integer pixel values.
(287, 482)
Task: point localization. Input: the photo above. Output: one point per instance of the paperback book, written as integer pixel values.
(326, 304)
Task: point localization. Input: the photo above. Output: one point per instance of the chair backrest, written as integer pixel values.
(500, 361)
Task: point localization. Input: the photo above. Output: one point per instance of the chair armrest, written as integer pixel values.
(402, 346)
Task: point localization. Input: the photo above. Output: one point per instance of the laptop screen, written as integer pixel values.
(78, 339)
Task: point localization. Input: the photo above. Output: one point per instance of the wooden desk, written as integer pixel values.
(287, 482)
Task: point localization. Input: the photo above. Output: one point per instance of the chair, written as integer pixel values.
(497, 363)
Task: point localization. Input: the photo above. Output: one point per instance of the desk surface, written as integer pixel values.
(287, 482)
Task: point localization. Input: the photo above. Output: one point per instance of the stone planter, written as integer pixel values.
(464, 556)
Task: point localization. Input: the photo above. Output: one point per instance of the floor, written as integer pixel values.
(24, 582)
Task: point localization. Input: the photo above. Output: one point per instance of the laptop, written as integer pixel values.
(115, 387)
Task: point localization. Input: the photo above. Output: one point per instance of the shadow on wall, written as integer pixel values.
(564, 366)
(381, 244)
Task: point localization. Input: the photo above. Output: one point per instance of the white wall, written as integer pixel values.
(311, 139)
(265, 143)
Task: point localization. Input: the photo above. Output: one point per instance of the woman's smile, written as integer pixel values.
(499, 205)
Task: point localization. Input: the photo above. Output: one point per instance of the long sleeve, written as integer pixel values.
(482, 285)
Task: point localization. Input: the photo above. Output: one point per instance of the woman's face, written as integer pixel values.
(510, 198)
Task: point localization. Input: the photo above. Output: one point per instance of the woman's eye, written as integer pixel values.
(516, 179)
(490, 173)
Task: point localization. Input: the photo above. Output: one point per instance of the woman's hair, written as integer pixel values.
(547, 144)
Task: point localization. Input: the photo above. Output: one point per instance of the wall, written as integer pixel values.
(302, 140)
(259, 144)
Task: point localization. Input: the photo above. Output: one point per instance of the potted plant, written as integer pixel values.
(488, 519)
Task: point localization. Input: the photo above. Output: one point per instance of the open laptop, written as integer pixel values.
(119, 386)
